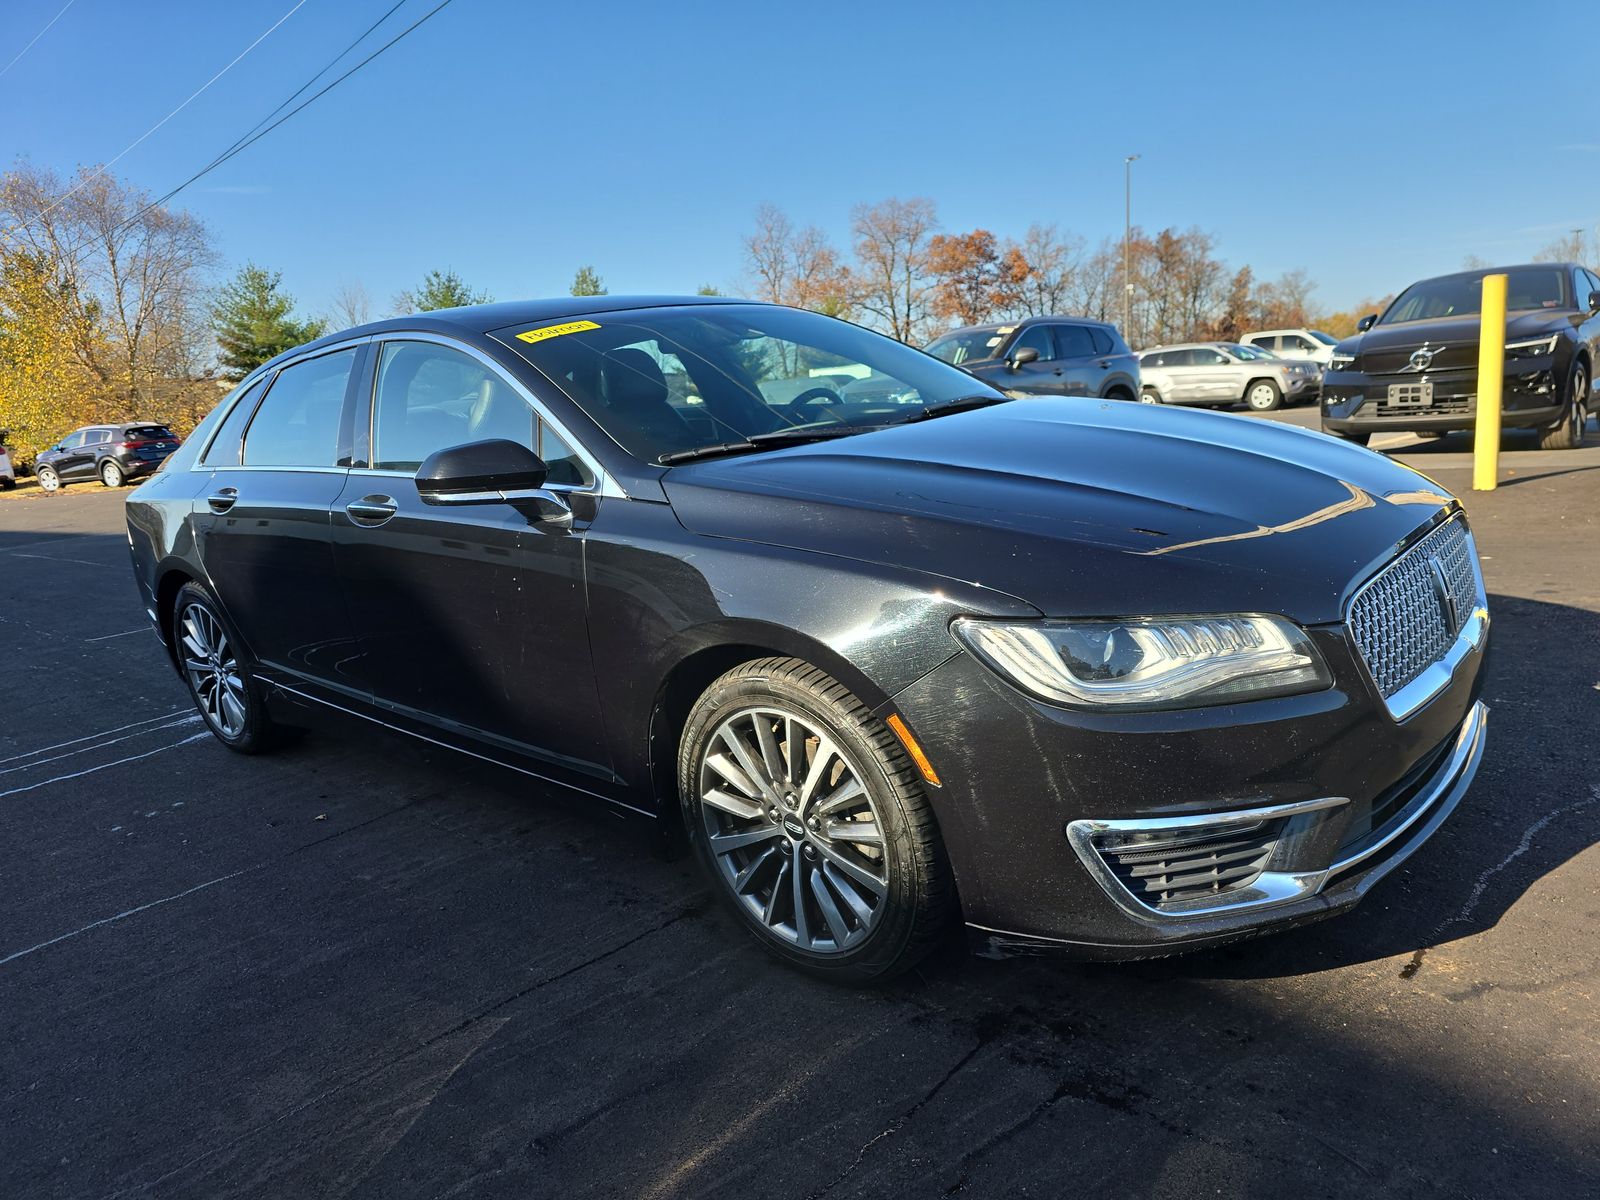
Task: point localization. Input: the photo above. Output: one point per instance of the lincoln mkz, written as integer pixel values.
(885, 647)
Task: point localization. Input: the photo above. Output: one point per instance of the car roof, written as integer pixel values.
(992, 326)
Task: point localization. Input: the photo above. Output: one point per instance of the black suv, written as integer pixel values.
(1062, 356)
(113, 454)
(1416, 367)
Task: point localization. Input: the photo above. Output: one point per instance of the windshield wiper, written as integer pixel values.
(960, 404)
(761, 441)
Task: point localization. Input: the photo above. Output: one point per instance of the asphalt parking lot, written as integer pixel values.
(361, 968)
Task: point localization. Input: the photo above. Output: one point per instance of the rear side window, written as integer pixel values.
(1074, 341)
(95, 436)
(1102, 340)
(224, 448)
(297, 424)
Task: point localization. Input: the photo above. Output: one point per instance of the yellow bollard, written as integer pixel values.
(1491, 374)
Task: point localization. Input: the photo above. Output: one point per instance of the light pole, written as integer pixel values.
(1127, 240)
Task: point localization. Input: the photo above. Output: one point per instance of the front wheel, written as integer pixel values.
(111, 474)
(809, 819)
(1567, 434)
(1263, 396)
(1149, 396)
(49, 481)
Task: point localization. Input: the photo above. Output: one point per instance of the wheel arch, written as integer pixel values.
(168, 584)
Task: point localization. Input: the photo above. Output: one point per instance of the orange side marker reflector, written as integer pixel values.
(910, 743)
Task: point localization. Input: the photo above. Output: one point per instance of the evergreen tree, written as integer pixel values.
(252, 318)
(587, 282)
(441, 289)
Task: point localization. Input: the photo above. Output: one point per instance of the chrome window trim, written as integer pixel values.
(604, 484)
(1437, 675)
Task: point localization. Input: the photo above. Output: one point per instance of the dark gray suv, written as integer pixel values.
(1049, 356)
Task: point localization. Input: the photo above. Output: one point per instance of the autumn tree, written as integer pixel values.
(1037, 275)
(351, 305)
(797, 267)
(1575, 246)
(587, 282)
(45, 389)
(439, 289)
(253, 318)
(893, 284)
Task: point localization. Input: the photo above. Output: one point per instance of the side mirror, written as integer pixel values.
(1594, 301)
(1366, 322)
(1023, 354)
(492, 472)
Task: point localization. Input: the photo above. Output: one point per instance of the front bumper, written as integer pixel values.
(1353, 402)
(1031, 791)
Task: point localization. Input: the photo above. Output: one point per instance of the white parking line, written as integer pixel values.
(103, 766)
(128, 913)
(89, 737)
(53, 558)
(39, 762)
(106, 637)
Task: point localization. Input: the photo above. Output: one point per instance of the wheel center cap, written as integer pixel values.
(792, 826)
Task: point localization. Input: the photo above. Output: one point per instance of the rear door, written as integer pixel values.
(472, 619)
(1179, 366)
(262, 521)
(1079, 360)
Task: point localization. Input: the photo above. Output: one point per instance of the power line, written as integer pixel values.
(101, 170)
(38, 35)
(302, 88)
(313, 98)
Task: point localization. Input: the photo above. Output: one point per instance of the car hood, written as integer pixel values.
(1448, 330)
(1083, 507)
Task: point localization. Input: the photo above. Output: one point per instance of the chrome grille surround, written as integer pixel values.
(1418, 617)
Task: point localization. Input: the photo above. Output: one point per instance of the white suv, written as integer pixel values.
(8, 476)
(1304, 344)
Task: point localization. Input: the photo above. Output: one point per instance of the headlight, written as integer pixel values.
(1341, 362)
(1531, 347)
(1159, 662)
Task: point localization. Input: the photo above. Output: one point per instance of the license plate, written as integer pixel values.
(1411, 395)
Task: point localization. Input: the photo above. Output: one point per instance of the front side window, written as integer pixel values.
(1036, 337)
(431, 397)
(297, 424)
(669, 380)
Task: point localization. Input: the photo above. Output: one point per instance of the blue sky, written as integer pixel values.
(516, 141)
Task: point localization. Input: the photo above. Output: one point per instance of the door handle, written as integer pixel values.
(371, 510)
(222, 500)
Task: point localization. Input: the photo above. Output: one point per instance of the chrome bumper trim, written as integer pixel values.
(1290, 873)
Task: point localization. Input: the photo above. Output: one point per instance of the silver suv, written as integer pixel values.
(1221, 374)
(1310, 344)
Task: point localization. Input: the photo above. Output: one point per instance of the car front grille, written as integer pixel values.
(1185, 870)
(1409, 614)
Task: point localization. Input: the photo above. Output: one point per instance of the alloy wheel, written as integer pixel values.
(212, 670)
(794, 831)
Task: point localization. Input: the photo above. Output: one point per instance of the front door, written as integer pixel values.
(472, 618)
(1043, 376)
(262, 525)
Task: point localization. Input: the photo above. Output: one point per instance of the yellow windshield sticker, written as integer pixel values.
(550, 331)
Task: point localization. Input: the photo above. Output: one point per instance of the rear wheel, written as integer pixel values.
(1149, 396)
(810, 821)
(1263, 396)
(49, 481)
(1567, 434)
(224, 690)
(111, 474)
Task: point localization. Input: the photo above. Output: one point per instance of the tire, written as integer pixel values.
(231, 703)
(1360, 439)
(1149, 396)
(1567, 434)
(1263, 396)
(1429, 435)
(891, 895)
(7, 484)
(49, 481)
(111, 474)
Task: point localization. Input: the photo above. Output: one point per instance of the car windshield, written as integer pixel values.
(969, 345)
(1249, 353)
(1528, 288)
(664, 381)
(1325, 339)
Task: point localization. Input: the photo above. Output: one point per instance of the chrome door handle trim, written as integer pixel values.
(371, 510)
(221, 501)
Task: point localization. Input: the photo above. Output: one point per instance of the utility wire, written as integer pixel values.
(38, 35)
(101, 170)
(302, 88)
(246, 142)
